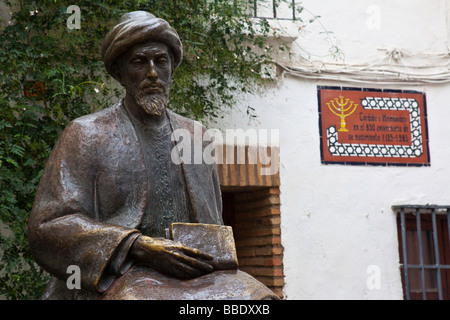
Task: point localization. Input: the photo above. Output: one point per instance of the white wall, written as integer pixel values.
(337, 220)
(363, 28)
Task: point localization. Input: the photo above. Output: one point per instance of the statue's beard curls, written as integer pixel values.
(152, 96)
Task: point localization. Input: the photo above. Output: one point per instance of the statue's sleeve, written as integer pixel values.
(64, 228)
(217, 191)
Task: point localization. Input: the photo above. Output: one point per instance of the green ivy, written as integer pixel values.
(38, 49)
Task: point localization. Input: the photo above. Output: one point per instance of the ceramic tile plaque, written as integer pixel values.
(370, 126)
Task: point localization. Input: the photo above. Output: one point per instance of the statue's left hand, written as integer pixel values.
(171, 258)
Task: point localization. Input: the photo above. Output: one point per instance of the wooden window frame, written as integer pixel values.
(425, 214)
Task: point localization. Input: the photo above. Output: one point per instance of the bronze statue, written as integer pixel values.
(110, 189)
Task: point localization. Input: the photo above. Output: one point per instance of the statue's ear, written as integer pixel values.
(117, 74)
(119, 77)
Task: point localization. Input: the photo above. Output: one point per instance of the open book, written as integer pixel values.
(215, 240)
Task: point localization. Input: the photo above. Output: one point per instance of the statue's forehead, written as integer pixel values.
(150, 47)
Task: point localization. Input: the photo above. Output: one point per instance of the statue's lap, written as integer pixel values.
(141, 283)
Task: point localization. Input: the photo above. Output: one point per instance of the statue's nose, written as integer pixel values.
(152, 70)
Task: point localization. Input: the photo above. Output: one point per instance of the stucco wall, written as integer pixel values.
(337, 222)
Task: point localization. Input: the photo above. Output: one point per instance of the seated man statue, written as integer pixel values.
(110, 188)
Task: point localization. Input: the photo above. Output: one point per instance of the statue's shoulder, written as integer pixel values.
(184, 122)
(104, 116)
(95, 123)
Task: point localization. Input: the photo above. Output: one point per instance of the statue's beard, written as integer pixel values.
(153, 103)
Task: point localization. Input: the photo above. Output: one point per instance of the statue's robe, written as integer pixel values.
(93, 196)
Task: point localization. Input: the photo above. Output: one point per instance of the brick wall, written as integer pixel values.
(252, 208)
(245, 170)
(257, 236)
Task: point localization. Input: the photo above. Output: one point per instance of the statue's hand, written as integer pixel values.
(171, 258)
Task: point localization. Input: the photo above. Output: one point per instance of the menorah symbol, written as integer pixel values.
(342, 111)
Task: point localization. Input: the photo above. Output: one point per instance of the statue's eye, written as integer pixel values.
(137, 61)
(162, 61)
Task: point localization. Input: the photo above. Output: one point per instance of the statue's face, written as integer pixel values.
(146, 73)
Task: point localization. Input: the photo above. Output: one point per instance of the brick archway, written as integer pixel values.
(252, 207)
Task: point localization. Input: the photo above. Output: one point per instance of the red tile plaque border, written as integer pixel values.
(361, 126)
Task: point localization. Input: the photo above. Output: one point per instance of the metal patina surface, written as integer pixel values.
(111, 188)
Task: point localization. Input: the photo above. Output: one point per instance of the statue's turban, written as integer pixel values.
(138, 27)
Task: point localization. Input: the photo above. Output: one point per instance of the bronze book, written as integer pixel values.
(215, 240)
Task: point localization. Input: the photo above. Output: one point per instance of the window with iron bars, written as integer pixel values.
(270, 9)
(424, 242)
(275, 9)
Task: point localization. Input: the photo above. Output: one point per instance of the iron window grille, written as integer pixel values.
(275, 9)
(424, 238)
(270, 9)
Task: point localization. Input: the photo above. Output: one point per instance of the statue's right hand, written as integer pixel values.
(171, 258)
